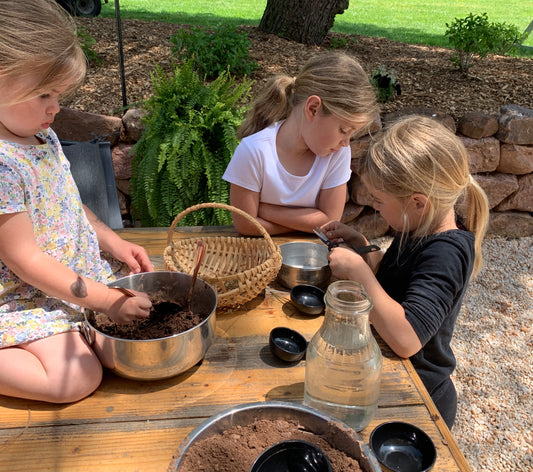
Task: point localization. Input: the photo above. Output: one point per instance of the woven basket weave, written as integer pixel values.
(238, 268)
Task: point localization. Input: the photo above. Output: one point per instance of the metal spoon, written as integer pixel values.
(199, 255)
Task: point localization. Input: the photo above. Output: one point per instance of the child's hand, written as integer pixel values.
(343, 263)
(348, 265)
(124, 309)
(134, 256)
(339, 232)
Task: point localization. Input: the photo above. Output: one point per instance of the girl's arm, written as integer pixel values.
(19, 251)
(133, 255)
(387, 315)
(330, 205)
(277, 219)
(248, 201)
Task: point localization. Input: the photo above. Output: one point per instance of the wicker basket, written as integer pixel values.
(238, 268)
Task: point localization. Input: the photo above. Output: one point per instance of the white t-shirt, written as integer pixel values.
(256, 167)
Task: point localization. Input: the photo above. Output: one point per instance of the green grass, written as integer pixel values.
(414, 22)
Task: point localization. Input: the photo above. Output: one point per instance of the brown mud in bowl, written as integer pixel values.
(166, 319)
(233, 439)
(166, 344)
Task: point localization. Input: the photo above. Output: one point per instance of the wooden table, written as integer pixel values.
(136, 426)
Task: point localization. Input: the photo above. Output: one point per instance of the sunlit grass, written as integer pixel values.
(414, 22)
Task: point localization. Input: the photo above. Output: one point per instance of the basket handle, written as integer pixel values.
(223, 206)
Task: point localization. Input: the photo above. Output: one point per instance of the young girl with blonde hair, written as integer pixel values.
(416, 171)
(50, 264)
(291, 168)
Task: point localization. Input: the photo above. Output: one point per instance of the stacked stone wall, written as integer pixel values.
(500, 152)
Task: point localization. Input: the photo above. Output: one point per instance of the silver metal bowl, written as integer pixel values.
(304, 262)
(163, 357)
(338, 434)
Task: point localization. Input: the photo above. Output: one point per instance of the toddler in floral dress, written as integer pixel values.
(50, 243)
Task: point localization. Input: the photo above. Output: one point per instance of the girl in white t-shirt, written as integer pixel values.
(291, 168)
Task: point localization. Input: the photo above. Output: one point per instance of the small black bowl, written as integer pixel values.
(308, 299)
(293, 455)
(402, 447)
(287, 344)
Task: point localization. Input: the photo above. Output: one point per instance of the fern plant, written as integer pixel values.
(189, 138)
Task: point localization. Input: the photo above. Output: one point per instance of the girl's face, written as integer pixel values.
(402, 214)
(327, 133)
(27, 118)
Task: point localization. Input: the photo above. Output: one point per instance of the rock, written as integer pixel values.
(516, 125)
(497, 186)
(522, 199)
(124, 186)
(443, 118)
(73, 125)
(359, 148)
(132, 125)
(351, 212)
(483, 154)
(511, 224)
(371, 224)
(122, 158)
(477, 125)
(515, 159)
(359, 192)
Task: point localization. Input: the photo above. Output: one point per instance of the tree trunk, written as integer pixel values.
(304, 21)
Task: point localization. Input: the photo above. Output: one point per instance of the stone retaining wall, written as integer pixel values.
(500, 150)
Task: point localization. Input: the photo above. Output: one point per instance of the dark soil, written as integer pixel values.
(166, 319)
(426, 74)
(236, 449)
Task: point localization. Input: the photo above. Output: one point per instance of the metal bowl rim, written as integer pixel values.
(188, 440)
(113, 283)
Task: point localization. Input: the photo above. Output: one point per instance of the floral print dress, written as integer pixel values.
(37, 179)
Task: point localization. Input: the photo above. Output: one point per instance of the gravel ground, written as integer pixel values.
(493, 344)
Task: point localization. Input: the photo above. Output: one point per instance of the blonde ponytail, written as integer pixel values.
(272, 104)
(477, 218)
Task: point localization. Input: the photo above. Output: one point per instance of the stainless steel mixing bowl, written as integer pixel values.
(163, 357)
(304, 262)
(338, 434)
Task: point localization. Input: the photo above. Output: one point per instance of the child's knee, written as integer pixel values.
(79, 384)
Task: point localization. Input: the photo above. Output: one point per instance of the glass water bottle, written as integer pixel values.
(343, 360)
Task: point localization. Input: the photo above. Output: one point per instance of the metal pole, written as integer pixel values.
(120, 54)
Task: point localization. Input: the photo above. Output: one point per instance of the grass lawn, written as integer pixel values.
(414, 22)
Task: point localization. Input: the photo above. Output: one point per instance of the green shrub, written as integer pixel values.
(214, 51)
(474, 36)
(385, 84)
(87, 42)
(189, 138)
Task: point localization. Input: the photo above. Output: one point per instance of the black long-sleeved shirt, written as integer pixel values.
(428, 277)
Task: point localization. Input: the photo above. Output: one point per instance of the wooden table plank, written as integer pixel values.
(130, 446)
(202, 388)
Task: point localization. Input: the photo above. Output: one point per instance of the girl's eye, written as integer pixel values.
(343, 131)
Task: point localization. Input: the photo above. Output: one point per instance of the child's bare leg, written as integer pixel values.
(59, 369)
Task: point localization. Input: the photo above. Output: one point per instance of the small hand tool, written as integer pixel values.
(330, 244)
